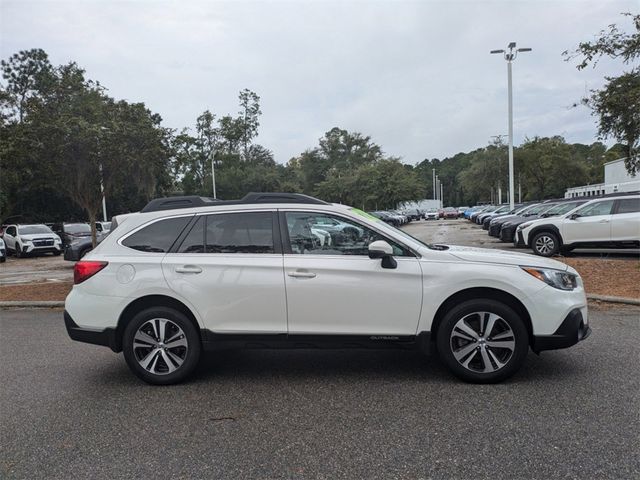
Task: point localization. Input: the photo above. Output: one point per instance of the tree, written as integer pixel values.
(617, 104)
(66, 137)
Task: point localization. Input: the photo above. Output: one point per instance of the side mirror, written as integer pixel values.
(381, 249)
(574, 216)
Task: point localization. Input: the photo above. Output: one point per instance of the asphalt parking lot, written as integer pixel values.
(464, 232)
(71, 410)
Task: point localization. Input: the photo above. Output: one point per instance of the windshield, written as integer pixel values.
(396, 230)
(33, 229)
(563, 208)
(543, 207)
(526, 209)
(77, 228)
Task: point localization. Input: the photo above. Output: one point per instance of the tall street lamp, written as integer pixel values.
(510, 55)
(213, 173)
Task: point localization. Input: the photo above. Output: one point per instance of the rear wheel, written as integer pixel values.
(483, 341)
(545, 244)
(161, 346)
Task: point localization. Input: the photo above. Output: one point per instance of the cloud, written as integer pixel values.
(415, 76)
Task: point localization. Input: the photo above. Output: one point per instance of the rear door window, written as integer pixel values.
(157, 237)
(250, 232)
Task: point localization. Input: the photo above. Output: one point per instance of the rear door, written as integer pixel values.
(625, 221)
(229, 266)
(593, 224)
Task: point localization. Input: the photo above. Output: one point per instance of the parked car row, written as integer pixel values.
(72, 239)
(559, 226)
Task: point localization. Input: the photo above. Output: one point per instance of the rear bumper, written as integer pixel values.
(106, 337)
(572, 330)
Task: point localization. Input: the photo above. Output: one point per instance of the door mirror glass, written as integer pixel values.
(574, 216)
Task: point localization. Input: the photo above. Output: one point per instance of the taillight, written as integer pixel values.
(86, 269)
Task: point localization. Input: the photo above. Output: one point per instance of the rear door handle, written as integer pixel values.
(188, 269)
(302, 274)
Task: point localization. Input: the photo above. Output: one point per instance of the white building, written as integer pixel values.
(616, 179)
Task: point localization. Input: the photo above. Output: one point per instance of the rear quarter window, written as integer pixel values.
(157, 237)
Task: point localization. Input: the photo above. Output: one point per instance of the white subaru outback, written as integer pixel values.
(188, 274)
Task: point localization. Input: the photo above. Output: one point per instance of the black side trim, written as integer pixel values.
(106, 337)
(571, 331)
(223, 341)
(546, 228)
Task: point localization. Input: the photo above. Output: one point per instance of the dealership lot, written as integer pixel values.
(71, 410)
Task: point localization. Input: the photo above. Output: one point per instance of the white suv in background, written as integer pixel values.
(603, 222)
(31, 239)
(191, 273)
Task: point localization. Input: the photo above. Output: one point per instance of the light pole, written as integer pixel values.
(104, 200)
(510, 55)
(213, 173)
(434, 183)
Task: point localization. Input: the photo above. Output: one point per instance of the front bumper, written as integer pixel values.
(507, 234)
(494, 230)
(518, 240)
(31, 249)
(572, 330)
(106, 337)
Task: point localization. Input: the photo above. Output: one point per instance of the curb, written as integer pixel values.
(32, 304)
(57, 303)
(607, 298)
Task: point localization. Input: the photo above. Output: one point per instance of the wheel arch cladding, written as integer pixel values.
(546, 228)
(482, 293)
(150, 301)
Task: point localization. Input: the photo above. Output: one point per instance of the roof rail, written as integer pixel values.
(170, 203)
(192, 201)
(274, 197)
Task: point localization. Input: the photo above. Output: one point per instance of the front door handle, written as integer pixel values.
(302, 274)
(188, 269)
(604, 221)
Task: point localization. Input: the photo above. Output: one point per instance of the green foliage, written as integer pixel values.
(617, 104)
(61, 133)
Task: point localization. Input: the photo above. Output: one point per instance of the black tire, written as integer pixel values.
(17, 250)
(3, 259)
(508, 322)
(57, 253)
(191, 354)
(545, 244)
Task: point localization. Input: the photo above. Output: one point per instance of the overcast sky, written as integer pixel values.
(415, 76)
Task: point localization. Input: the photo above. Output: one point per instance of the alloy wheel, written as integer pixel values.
(545, 244)
(482, 342)
(160, 346)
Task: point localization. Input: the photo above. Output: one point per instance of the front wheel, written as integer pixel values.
(482, 341)
(18, 250)
(545, 244)
(161, 346)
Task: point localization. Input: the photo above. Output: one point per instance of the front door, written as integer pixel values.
(333, 287)
(593, 224)
(229, 266)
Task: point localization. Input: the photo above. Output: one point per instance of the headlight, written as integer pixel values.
(57, 239)
(556, 278)
(522, 226)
